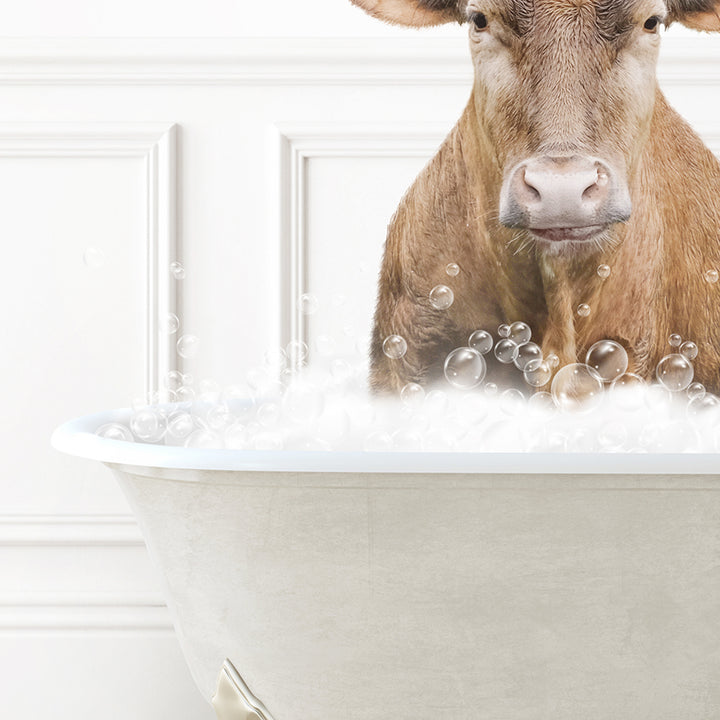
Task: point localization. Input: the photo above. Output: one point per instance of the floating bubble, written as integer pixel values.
(703, 404)
(465, 368)
(674, 372)
(340, 370)
(188, 345)
(394, 346)
(170, 324)
(512, 401)
(148, 425)
(711, 276)
(537, 373)
(114, 431)
(236, 436)
(308, 304)
(628, 391)
(583, 310)
(520, 333)
(552, 360)
(275, 359)
(506, 351)
(296, 353)
(689, 349)
(441, 297)
(527, 352)
(576, 387)
(490, 389)
(452, 269)
(482, 341)
(504, 330)
(185, 393)
(94, 258)
(541, 403)
(180, 425)
(177, 270)
(412, 395)
(608, 359)
(173, 380)
(675, 340)
(268, 414)
(695, 390)
(603, 271)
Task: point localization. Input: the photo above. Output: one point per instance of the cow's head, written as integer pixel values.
(564, 91)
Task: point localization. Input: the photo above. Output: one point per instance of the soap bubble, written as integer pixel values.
(180, 425)
(341, 370)
(603, 271)
(268, 414)
(412, 395)
(576, 387)
(185, 393)
(504, 330)
(275, 359)
(482, 341)
(114, 431)
(675, 340)
(236, 436)
(527, 352)
(441, 297)
(612, 436)
(608, 359)
(394, 346)
(170, 324)
(378, 441)
(537, 373)
(406, 440)
(695, 390)
(512, 401)
(541, 403)
(148, 425)
(296, 353)
(583, 310)
(711, 276)
(436, 402)
(173, 380)
(465, 368)
(506, 351)
(675, 372)
(308, 304)
(689, 349)
(628, 391)
(520, 333)
(490, 389)
(94, 258)
(703, 404)
(203, 439)
(452, 269)
(552, 360)
(188, 345)
(177, 270)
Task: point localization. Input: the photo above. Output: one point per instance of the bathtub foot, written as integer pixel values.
(233, 699)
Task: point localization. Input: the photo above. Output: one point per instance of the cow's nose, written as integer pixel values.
(563, 192)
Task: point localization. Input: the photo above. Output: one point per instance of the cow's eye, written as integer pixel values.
(479, 20)
(652, 24)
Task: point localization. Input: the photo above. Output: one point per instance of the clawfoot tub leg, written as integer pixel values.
(233, 699)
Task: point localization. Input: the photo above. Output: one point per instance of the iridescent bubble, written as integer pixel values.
(695, 390)
(628, 391)
(482, 341)
(689, 349)
(147, 425)
(608, 359)
(296, 353)
(576, 387)
(188, 345)
(465, 368)
(394, 346)
(452, 269)
(583, 310)
(94, 258)
(711, 276)
(308, 304)
(412, 395)
(527, 352)
(441, 297)
(675, 340)
(520, 333)
(506, 351)
(170, 324)
(603, 271)
(114, 431)
(537, 373)
(177, 270)
(504, 330)
(674, 372)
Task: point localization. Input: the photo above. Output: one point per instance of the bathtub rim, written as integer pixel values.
(77, 437)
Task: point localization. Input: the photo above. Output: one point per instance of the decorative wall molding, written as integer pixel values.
(155, 145)
(297, 145)
(410, 60)
(69, 530)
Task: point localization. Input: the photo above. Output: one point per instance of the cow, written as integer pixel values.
(567, 157)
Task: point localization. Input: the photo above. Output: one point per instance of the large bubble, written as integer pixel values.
(674, 372)
(608, 359)
(465, 368)
(576, 387)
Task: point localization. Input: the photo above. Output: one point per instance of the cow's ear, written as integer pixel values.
(696, 14)
(413, 13)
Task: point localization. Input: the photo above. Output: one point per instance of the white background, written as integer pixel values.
(265, 146)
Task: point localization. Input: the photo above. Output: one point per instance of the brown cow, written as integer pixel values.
(566, 157)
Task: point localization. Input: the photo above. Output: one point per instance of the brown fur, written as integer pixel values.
(658, 258)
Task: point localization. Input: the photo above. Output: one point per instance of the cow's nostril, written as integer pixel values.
(530, 189)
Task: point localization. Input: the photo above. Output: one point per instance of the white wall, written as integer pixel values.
(268, 166)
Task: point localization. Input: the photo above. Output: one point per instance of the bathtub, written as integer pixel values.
(366, 586)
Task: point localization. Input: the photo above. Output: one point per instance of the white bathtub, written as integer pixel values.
(356, 586)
